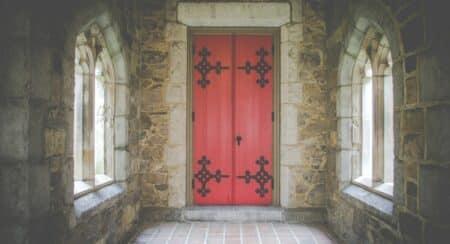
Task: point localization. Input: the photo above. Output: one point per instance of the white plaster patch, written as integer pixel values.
(234, 14)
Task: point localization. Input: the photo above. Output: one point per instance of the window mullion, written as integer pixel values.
(378, 170)
(88, 131)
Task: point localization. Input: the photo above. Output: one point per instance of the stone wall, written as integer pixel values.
(36, 165)
(421, 91)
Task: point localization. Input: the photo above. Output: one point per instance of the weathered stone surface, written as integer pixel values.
(438, 132)
(55, 140)
(234, 14)
(433, 193)
(411, 227)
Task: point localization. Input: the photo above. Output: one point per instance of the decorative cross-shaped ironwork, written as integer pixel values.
(261, 177)
(204, 67)
(204, 176)
(262, 67)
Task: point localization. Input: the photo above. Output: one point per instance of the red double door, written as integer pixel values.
(232, 119)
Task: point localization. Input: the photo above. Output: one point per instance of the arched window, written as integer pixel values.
(373, 82)
(93, 112)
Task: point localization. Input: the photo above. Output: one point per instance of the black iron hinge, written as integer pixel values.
(193, 116)
(273, 49)
(273, 116)
(272, 184)
(193, 183)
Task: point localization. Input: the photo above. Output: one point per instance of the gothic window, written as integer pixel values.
(93, 112)
(372, 85)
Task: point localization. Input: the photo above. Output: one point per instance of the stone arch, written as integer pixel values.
(117, 74)
(366, 16)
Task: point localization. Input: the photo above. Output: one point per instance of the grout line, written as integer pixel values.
(312, 234)
(205, 238)
(151, 237)
(224, 232)
(188, 234)
(292, 232)
(172, 232)
(240, 233)
(259, 234)
(276, 234)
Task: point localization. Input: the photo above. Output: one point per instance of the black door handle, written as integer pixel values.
(238, 140)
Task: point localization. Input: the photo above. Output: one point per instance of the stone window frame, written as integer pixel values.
(377, 17)
(374, 54)
(116, 125)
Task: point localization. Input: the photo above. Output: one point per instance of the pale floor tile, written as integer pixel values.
(229, 233)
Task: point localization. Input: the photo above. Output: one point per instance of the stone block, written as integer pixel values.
(411, 90)
(411, 189)
(438, 133)
(14, 130)
(410, 227)
(433, 193)
(344, 166)
(175, 155)
(112, 40)
(176, 93)
(413, 121)
(177, 125)
(398, 83)
(413, 34)
(291, 93)
(16, 64)
(291, 33)
(121, 131)
(344, 101)
(233, 14)
(289, 129)
(290, 58)
(39, 178)
(121, 100)
(291, 155)
(346, 70)
(433, 78)
(178, 62)
(287, 187)
(355, 41)
(121, 164)
(436, 234)
(14, 191)
(177, 186)
(296, 10)
(175, 32)
(121, 68)
(55, 141)
(345, 133)
(413, 147)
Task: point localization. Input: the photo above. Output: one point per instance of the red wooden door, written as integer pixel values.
(253, 120)
(232, 128)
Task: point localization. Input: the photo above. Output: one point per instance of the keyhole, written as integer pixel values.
(238, 140)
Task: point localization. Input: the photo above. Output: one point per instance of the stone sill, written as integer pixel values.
(374, 203)
(94, 202)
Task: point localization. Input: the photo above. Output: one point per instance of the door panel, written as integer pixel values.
(232, 97)
(212, 84)
(253, 119)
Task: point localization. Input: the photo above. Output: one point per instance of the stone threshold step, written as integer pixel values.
(252, 214)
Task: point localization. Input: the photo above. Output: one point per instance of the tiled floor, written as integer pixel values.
(245, 233)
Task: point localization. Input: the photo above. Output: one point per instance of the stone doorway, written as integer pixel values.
(282, 16)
